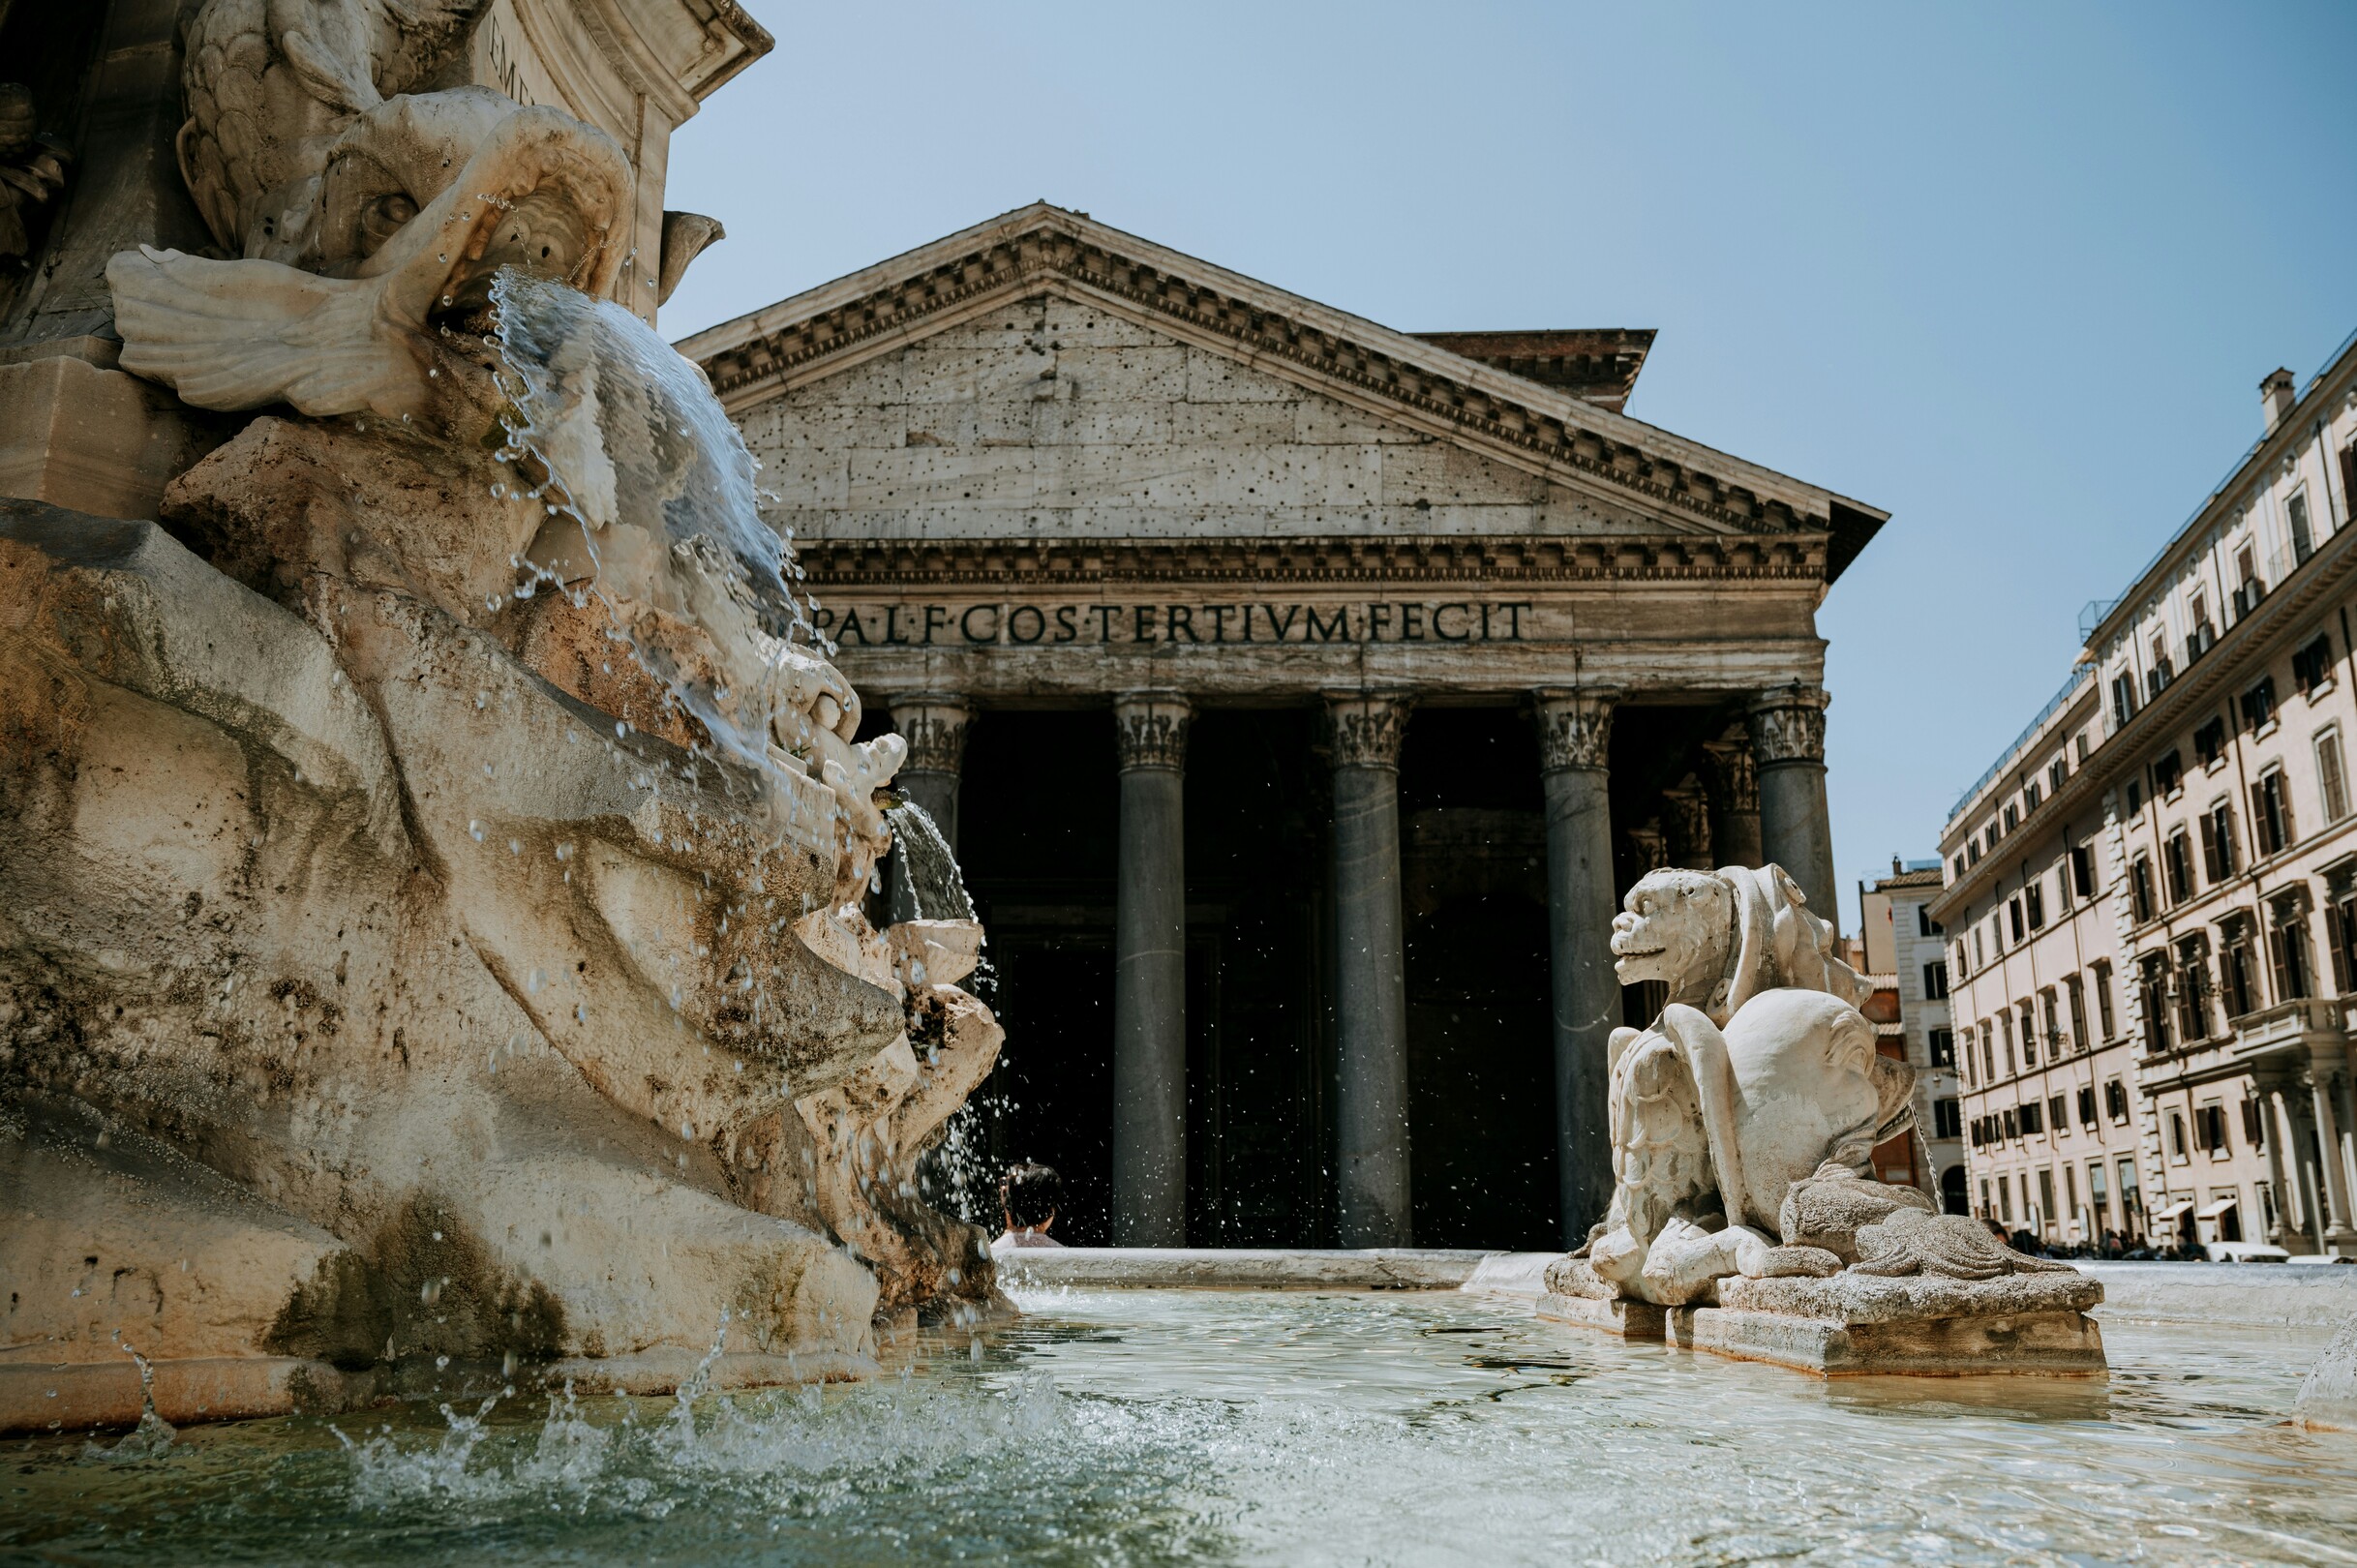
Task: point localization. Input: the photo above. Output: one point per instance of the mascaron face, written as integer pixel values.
(1670, 925)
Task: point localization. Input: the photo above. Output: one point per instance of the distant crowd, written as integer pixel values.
(2113, 1247)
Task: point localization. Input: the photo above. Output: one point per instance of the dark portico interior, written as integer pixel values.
(1038, 828)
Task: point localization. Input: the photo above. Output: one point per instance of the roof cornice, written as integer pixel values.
(1042, 247)
(2324, 574)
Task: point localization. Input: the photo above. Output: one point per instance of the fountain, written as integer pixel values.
(434, 919)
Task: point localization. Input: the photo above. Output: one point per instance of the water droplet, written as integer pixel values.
(474, 831)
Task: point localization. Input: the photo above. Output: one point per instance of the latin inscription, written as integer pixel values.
(1023, 626)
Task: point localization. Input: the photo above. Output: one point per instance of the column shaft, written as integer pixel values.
(2285, 1224)
(1796, 822)
(1371, 973)
(2334, 1182)
(1150, 976)
(1575, 734)
(2291, 1199)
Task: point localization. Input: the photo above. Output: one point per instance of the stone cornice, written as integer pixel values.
(1519, 558)
(1044, 248)
(2229, 660)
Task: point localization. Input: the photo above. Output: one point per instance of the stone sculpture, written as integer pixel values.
(430, 919)
(1742, 1125)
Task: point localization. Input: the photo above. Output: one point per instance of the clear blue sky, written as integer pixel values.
(2010, 272)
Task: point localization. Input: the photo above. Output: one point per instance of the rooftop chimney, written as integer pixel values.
(2275, 397)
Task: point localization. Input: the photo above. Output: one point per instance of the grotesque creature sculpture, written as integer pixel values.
(1743, 1120)
(438, 853)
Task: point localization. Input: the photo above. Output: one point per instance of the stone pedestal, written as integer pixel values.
(2339, 1236)
(1795, 824)
(1860, 1325)
(1630, 1320)
(1574, 738)
(1150, 974)
(1371, 972)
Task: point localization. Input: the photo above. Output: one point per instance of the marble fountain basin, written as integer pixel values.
(1377, 1416)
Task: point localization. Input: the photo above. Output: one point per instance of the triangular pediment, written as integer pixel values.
(1506, 429)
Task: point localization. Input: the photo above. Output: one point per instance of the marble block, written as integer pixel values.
(1630, 1320)
(1860, 1325)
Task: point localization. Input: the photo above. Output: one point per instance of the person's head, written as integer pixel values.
(1029, 1195)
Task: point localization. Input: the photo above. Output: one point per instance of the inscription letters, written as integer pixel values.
(1021, 625)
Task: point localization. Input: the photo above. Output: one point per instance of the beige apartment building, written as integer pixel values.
(2151, 899)
(1905, 951)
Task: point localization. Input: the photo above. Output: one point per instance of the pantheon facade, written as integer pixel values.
(1302, 697)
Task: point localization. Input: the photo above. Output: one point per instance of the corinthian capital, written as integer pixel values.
(1576, 729)
(1788, 724)
(934, 726)
(1732, 778)
(1150, 729)
(1366, 729)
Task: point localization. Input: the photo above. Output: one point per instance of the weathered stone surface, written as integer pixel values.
(1860, 1298)
(1629, 1318)
(2051, 1343)
(93, 439)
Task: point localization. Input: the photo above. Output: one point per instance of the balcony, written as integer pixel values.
(2286, 1025)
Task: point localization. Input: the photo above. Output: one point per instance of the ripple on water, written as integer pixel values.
(1164, 1427)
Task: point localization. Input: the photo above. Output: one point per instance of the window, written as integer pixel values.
(2193, 991)
(2168, 771)
(2258, 705)
(2056, 771)
(1960, 866)
(2312, 663)
(2237, 974)
(1943, 1047)
(2287, 953)
(1985, 1209)
(1924, 924)
(2250, 586)
(2332, 783)
(1935, 982)
(2071, 1189)
(2123, 698)
(2011, 1125)
(2005, 1022)
(1988, 1053)
(2177, 1154)
(2046, 1193)
(2087, 1106)
(2217, 857)
(2161, 672)
(2210, 1129)
(2056, 1117)
(2013, 909)
(2029, 797)
(2075, 989)
(2135, 795)
(2101, 970)
(2254, 1122)
(2034, 903)
(2141, 902)
(2198, 641)
(2129, 1203)
(2341, 931)
(2303, 542)
(2033, 1118)
(1946, 1119)
(2177, 863)
(2210, 740)
(2029, 1037)
(2013, 816)
(2115, 1099)
(2004, 1200)
(2096, 1198)
(2082, 870)
(2271, 814)
(2154, 975)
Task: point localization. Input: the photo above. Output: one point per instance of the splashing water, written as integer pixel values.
(645, 464)
(925, 866)
(153, 1436)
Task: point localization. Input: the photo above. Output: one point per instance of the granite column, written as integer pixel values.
(1795, 824)
(1574, 739)
(1150, 974)
(1371, 971)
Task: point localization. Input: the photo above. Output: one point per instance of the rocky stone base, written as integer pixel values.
(1857, 1325)
(73, 1396)
(1630, 1320)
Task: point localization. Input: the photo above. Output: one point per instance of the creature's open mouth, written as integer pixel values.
(1620, 950)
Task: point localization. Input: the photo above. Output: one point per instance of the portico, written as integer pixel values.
(1045, 469)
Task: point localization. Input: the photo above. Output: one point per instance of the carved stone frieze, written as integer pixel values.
(1575, 729)
(1150, 729)
(1788, 725)
(934, 726)
(1367, 729)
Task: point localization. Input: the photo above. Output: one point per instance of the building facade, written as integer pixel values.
(1302, 697)
(2151, 905)
(1905, 949)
